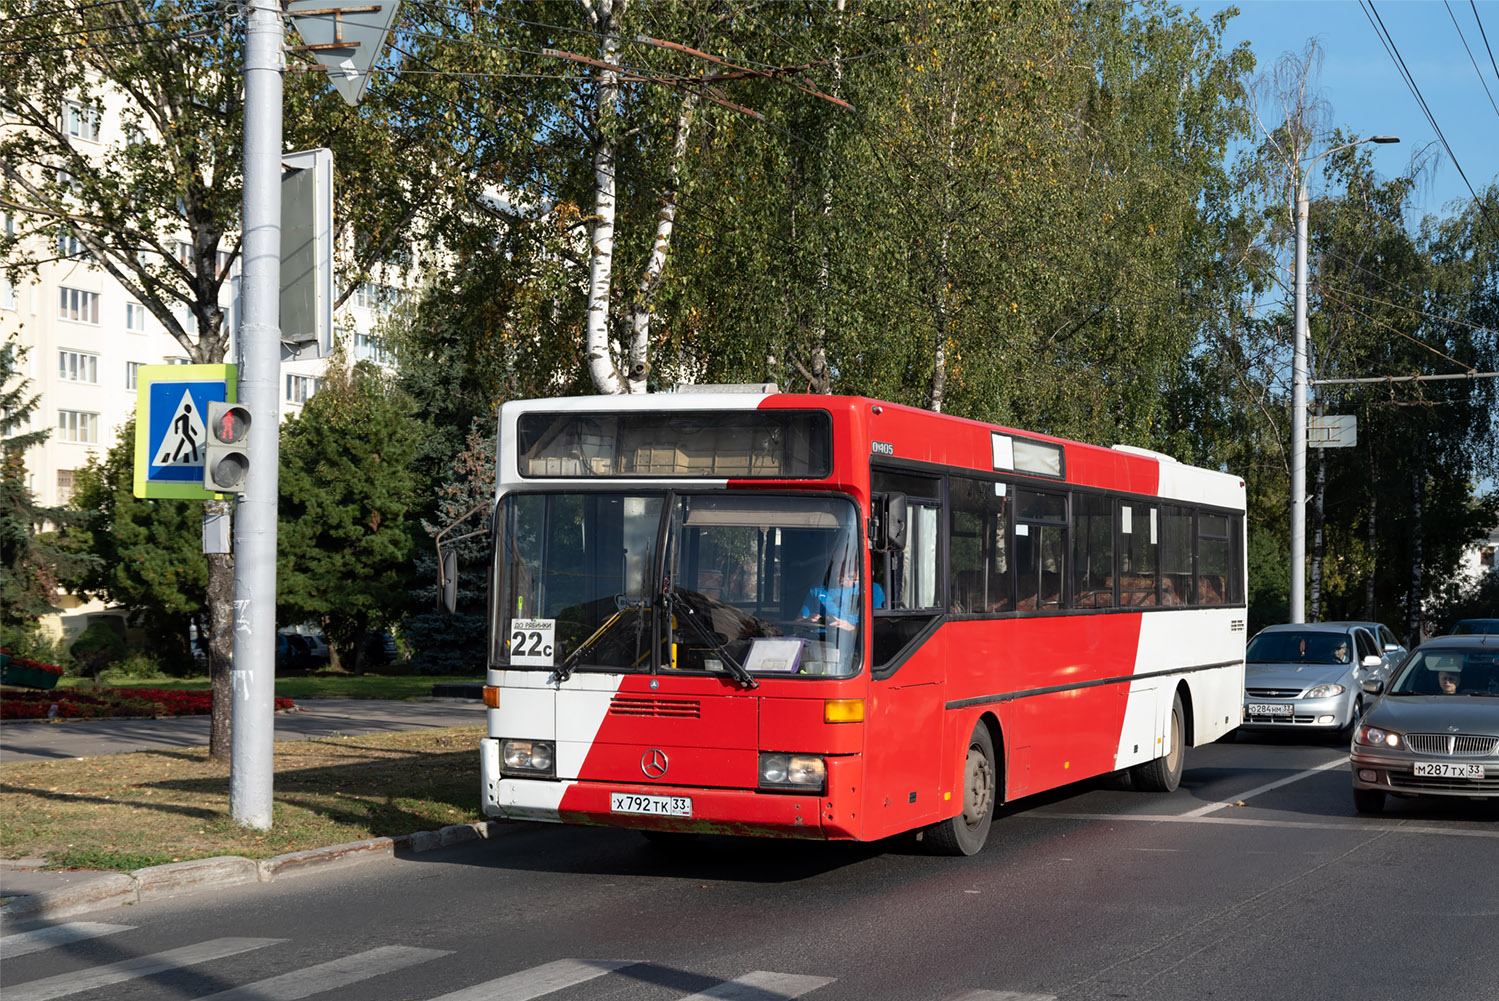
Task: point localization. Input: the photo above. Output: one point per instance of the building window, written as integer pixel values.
(368, 347)
(80, 122)
(1486, 557)
(78, 366)
(135, 317)
(75, 425)
(69, 245)
(380, 298)
(7, 295)
(300, 388)
(178, 361)
(185, 254)
(64, 484)
(132, 373)
(225, 263)
(77, 305)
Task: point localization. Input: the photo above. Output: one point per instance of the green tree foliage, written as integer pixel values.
(147, 553)
(348, 500)
(29, 559)
(455, 644)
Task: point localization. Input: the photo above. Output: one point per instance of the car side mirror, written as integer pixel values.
(1373, 661)
(1373, 687)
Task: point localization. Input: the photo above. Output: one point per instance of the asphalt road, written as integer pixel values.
(314, 719)
(1255, 880)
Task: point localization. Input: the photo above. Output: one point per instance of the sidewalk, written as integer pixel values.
(313, 718)
(28, 891)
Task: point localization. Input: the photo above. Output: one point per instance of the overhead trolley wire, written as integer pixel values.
(1472, 60)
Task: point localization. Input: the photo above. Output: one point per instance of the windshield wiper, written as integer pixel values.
(709, 637)
(623, 604)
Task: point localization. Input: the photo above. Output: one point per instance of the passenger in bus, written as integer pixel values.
(839, 606)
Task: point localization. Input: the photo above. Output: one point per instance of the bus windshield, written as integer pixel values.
(770, 584)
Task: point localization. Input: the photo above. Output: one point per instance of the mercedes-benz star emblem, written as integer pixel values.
(653, 763)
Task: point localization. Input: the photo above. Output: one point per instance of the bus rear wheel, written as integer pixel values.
(1164, 774)
(966, 833)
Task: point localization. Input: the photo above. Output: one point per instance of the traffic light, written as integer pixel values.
(227, 456)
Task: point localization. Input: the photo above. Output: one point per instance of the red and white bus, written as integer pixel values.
(831, 617)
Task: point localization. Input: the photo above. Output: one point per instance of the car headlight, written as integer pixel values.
(1373, 736)
(793, 772)
(527, 758)
(1323, 691)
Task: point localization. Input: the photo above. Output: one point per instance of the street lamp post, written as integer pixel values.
(1298, 392)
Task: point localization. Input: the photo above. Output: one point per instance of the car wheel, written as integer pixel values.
(1368, 800)
(1164, 774)
(1345, 735)
(966, 833)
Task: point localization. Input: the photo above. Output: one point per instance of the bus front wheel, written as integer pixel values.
(966, 833)
(1164, 774)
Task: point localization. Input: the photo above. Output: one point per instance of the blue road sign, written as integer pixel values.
(170, 434)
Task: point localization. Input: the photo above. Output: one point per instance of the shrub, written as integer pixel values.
(99, 647)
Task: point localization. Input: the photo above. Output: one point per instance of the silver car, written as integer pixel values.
(1435, 730)
(1309, 677)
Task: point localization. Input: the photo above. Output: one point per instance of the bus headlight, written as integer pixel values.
(793, 772)
(532, 759)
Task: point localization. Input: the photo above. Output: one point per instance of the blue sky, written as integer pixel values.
(1367, 94)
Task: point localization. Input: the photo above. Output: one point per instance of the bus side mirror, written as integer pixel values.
(889, 523)
(447, 582)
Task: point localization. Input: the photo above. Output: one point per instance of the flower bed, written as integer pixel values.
(26, 672)
(77, 703)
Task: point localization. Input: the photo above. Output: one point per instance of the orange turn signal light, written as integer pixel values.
(492, 696)
(843, 711)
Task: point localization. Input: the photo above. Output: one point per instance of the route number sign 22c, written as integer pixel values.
(532, 641)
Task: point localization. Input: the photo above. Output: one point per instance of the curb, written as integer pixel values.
(89, 890)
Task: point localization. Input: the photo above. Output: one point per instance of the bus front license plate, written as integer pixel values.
(654, 806)
(1268, 709)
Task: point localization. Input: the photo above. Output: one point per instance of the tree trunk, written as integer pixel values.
(1370, 612)
(605, 15)
(220, 643)
(1319, 538)
(1413, 614)
(655, 263)
(820, 379)
(939, 353)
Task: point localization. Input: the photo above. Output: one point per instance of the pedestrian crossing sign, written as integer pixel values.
(170, 435)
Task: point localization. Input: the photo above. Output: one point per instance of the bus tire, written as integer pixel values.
(966, 833)
(1164, 774)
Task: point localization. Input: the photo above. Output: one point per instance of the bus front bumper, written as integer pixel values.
(698, 810)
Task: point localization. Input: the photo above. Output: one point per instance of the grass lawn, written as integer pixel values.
(126, 811)
(323, 684)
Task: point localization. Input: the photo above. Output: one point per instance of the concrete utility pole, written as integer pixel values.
(1298, 392)
(252, 745)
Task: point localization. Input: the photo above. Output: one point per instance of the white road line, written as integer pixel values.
(980, 995)
(538, 980)
(327, 976)
(133, 969)
(1214, 807)
(12, 946)
(1358, 826)
(762, 985)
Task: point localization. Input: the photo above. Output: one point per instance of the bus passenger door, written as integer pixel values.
(907, 658)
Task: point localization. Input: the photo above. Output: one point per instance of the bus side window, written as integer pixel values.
(1040, 550)
(978, 547)
(1139, 554)
(1176, 555)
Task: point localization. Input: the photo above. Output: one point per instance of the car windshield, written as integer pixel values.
(1292, 647)
(1468, 627)
(1449, 672)
(766, 583)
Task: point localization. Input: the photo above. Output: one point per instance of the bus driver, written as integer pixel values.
(839, 606)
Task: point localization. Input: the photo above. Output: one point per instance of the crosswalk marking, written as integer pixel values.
(980, 995)
(133, 969)
(327, 976)
(538, 980)
(20, 944)
(762, 985)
